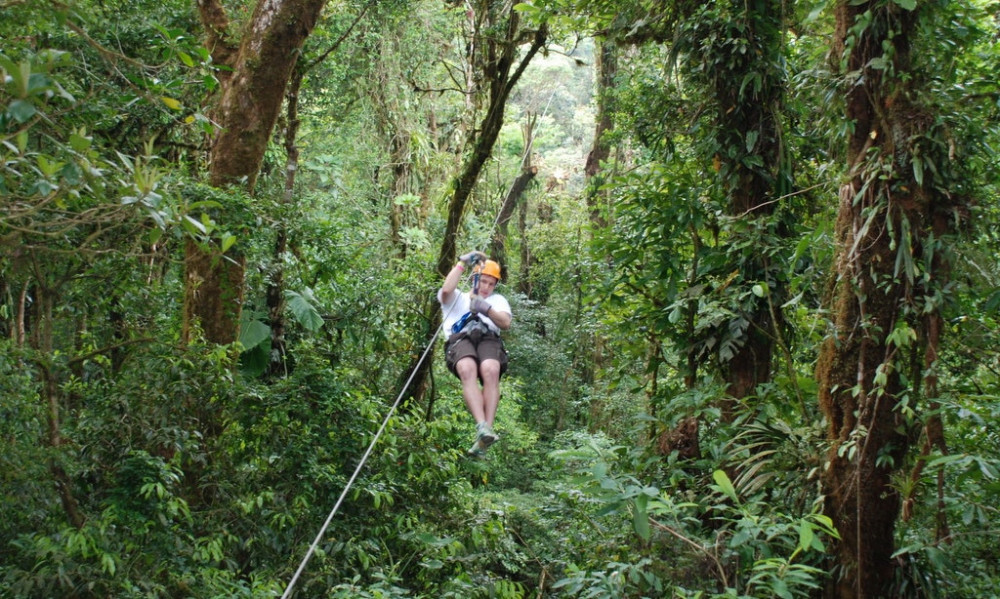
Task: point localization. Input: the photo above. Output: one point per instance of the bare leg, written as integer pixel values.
(468, 373)
(490, 371)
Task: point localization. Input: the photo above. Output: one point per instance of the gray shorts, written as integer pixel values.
(481, 346)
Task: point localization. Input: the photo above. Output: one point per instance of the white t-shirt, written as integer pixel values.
(454, 311)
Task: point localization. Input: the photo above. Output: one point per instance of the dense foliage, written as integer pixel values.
(139, 460)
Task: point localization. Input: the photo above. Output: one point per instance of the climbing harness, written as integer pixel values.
(469, 316)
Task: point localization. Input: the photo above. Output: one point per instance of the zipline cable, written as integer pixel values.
(364, 458)
(371, 446)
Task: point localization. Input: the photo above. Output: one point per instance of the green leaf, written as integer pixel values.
(907, 4)
(407, 199)
(193, 226)
(253, 333)
(918, 170)
(305, 313)
(46, 166)
(38, 83)
(108, 563)
(253, 363)
(204, 205)
(79, 141)
(992, 301)
(794, 301)
(902, 335)
(806, 535)
(640, 517)
(155, 235)
(989, 470)
(14, 72)
(725, 485)
(21, 111)
(227, 241)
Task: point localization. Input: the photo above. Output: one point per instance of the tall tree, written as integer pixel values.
(735, 50)
(256, 70)
(600, 150)
(499, 67)
(65, 215)
(730, 56)
(892, 217)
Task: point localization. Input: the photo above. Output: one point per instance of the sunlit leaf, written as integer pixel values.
(171, 103)
(724, 484)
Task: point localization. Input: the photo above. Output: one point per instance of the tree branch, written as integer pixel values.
(216, 22)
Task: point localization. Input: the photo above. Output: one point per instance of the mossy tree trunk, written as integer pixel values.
(884, 231)
(748, 87)
(591, 353)
(261, 64)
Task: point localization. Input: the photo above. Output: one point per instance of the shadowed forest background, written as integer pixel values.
(751, 249)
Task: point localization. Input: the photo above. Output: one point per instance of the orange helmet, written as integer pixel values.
(491, 268)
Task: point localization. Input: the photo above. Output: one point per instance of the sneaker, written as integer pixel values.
(486, 436)
(477, 450)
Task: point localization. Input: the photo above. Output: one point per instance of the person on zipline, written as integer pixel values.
(474, 351)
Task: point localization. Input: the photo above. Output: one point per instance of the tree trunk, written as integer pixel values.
(934, 427)
(393, 132)
(498, 245)
(246, 112)
(747, 131)
(592, 345)
(42, 342)
(278, 364)
(524, 276)
(23, 319)
(401, 176)
(600, 151)
(882, 222)
(6, 322)
(862, 420)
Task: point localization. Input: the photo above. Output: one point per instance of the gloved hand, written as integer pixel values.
(472, 257)
(479, 306)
